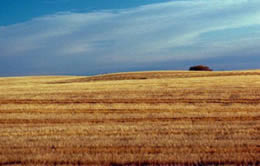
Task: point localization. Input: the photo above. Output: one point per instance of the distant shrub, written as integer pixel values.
(200, 68)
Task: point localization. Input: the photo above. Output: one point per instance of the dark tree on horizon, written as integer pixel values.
(200, 68)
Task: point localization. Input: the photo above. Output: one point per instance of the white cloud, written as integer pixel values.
(157, 32)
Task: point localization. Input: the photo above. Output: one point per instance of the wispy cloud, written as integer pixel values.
(176, 30)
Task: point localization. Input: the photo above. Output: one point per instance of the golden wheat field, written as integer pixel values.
(142, 118)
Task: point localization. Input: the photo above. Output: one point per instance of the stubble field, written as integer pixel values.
(144, 118)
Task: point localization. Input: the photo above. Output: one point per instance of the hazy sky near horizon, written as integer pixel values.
(91, 37)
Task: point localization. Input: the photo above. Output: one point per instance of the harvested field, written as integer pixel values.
(142, 118)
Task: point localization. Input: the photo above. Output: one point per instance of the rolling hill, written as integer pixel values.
(138, 118)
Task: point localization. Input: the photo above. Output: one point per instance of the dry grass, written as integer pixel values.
(145, 118)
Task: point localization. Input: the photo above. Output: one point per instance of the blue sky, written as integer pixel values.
(14, 11)
(85, 37)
